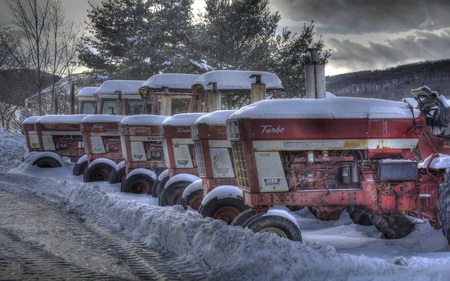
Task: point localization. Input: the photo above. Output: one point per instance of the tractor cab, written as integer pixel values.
(121, 97)
(169, 92)
(87, 103)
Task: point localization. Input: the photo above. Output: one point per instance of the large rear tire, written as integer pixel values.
(137, 184)
(359, 216)
(226, 209)
(443, 205)
(392, 227)
(98, 172)
(278, 225)
(172, 193)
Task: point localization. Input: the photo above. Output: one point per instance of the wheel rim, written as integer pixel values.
(226, 214)
(101, 175)
(140, 188)
(275, 230)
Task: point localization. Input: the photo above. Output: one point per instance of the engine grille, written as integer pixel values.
(239, 165)
(200, 162)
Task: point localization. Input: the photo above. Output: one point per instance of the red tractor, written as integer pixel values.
(375, 158)
(213, 153)
(143, 152)
(58, 136)
(141, 136)
(243, 86)
(179, 157)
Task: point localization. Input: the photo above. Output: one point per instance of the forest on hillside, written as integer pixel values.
(393, 83)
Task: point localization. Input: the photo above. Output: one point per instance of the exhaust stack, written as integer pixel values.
(315, 76)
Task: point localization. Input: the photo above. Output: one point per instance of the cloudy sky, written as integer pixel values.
(362, 35)
(373, 34)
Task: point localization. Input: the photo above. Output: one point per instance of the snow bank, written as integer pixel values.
(12, 149)
(232, 253)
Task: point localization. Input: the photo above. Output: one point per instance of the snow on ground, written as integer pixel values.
(331, 250)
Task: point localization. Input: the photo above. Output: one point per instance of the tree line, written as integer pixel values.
(393, 83)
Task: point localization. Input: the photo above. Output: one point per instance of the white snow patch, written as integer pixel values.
(182, 119)
(143, 120)
(215, 118)
(340, 107)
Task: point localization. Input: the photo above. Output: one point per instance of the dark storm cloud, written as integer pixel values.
(358, 16)
(419, 46)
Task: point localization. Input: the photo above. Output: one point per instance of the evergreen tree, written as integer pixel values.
(241, 34)
(238, 33)
(134, 39)
(290, 58)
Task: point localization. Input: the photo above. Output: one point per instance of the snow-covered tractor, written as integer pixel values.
(141, 134)
(179, 155)
(360, 154)
(58, 136)
(143, 152)
(213, 153)
(102, 146)
(54, 137)
(245, 86)
(115, 100)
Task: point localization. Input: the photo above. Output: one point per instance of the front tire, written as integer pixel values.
(47, 162)
(275, 224)
(98, 172)
(158, 187)
(117, 175)
(137, 184)
(193, 200)
(226, 209)
(80, 168)
(172, 193)
(243, 217)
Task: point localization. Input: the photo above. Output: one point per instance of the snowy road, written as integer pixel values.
(40, 240)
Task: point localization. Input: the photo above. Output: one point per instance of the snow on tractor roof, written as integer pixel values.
(94, 118)
(31, 119)
(215, 118)
(333, 108)
(143, 119)
(126, 87)
(174, 82)
(87, 92)
(61, 119)
(236, 80)
(182, 119)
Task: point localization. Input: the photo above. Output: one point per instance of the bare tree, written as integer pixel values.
(48, 43)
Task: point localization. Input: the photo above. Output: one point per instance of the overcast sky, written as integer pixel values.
(362, 34)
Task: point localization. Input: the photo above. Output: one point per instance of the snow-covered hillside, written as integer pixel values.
(331, 250)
